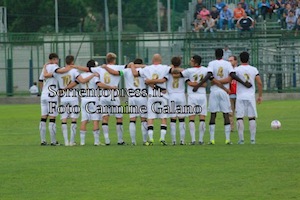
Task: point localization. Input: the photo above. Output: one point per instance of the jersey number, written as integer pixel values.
(66, 79)
(175, 83)
(196, 77)
(220, 72)
(154, 76)
(136, 82)
(247, 77)
(107, 78)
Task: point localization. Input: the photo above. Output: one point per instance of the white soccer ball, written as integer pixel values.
(275, 124)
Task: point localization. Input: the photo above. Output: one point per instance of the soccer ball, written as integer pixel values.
(275, 124)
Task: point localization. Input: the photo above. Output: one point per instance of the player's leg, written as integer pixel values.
(202, 101)
(96, 132)
(212, 125)
(83, 131)
(227, 128)
(105, 128)
(192, 129)
(213, 108)
(132, 130)
(151, 116)
(240, 113)
(225, 108)
(144, 129)
(252, 128)
(231, 115)
(252, 115)
(74, 116)
(173, 129)
(119, 127)
(64, 128)
(43, 122)
(163, 131)
(182, 130)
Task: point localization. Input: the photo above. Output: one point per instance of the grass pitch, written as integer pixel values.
(268, 170)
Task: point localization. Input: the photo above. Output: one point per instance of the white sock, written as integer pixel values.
(73, 132)
(192, 131)
(252, 128)
(182, 131)
(64, 128)
(173, 131)
(52, 130)
(105, 133)
(212, 131)
(132, 130)
(43, 131)
(82, 137)
(120, 132)
(240, 128)
(96, 136)
(201, 130)
(163, 131)
(144, 127)
(227, 131)
(150, 132)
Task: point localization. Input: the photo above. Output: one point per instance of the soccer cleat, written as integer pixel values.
(162, 142)
(228, 142)
(212, 142)
(121, 143)
(72, 144)
(192, 143)
(241, 142)
(182, 143)
(252, 142)
(201, 142)
(133, 144)
(151, 142)
(83, 144)
(44, 143)
(67, 144)
(145, 143)
(107, 144)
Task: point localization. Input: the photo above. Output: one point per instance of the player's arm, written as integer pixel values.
(135, 73)
(194, 84)
(259, 88)
(80, 79)
(175, 70)
(209, 76)
(64, 69)
(238, 79)
(104, 86)
(81, 68)
(41, 85)
(220, 85)
(72, 85)
(112, 71)
(226, 80)
(155, 81)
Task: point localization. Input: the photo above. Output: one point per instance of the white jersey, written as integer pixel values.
(132, 82)
(155, 72)
(175, 85)
(106, 77)
(220, 69)
(64, 80)
(195, 74)
(90, 87)
(51, 68)
(246, 73)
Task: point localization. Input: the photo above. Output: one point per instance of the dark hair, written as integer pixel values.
(91, 63)
(244, 57)
(138, 61)
(69, 59)
(219, 53)
(234, 57)
(52, 55)
(176, 61)
(197, 59)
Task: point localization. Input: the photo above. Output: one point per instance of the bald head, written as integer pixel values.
(156, 59)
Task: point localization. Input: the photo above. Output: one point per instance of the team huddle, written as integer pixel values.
(159, 93)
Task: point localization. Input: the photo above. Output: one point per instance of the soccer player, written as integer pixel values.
(232, 95)
(69, 101)
(176, 90)
(89, 102)
(46, 99)
(156, 75)
(218, 99)
(245, 102)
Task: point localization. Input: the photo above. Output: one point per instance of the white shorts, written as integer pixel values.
(88, 107)
(139, 102)
(198, 101)
(219, 102)
(110, 107)
(49, 106)
(155, 107)
(245, 108)
(177, 99)
(71, 110)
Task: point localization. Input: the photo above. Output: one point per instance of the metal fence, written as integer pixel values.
(275, 54)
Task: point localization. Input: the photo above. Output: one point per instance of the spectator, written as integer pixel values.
(226, 17)
(298, 10)
(297, 26)
(204, 12)
(34, 90)
(245, 6)
(238, 12)
(210, 25)
(279, 6)
(291, 20)
(246, 23)
(271, 9)
(286, 11)
(215, 14)
(226, 52)
(264, 7)
(253, 9)
(199, 7)
(198, 24)
(220, 5)
(293, 3)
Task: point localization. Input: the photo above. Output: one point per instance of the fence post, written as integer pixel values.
(31, 69)
(9, 78)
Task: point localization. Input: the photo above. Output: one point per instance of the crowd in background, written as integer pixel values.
(243, 16)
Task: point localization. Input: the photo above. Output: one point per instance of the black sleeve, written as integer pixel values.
(181, 75)
(41, 80)
(125, 67)
(90, 70)
(187, 80)
(76, 82)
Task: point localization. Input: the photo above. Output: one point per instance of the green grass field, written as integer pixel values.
(268, 170)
